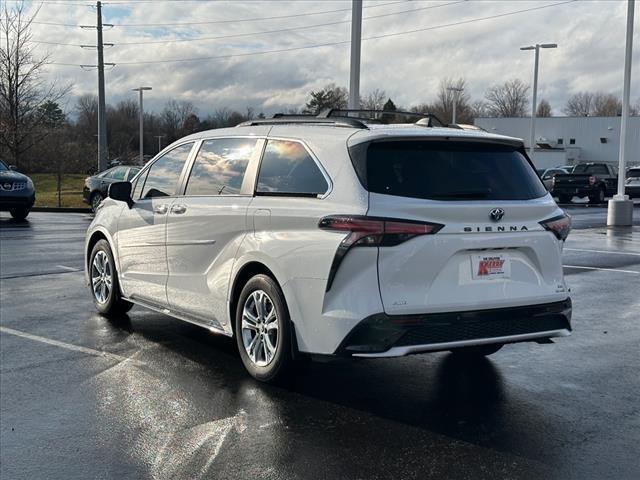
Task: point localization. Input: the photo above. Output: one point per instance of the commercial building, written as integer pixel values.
(571, 140)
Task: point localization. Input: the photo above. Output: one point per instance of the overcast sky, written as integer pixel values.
(409, 66)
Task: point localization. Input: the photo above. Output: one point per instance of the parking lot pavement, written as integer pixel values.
(147, 396)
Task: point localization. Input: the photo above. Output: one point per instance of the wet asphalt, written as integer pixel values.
(147, 396)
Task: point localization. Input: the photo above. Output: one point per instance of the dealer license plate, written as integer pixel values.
(490, 265)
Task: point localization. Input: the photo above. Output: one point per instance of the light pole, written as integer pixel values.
(456, 91)
(534, 106)
(141, 89)
(620, 211)
(356, 34)
(159, 137)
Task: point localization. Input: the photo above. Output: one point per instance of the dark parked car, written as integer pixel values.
(95, 187)
(593, 180)
(17, 193)
(547, 175)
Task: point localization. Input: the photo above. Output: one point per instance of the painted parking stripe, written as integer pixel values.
(603, 269)
(68, 346)
(71, 269)
(601, 251)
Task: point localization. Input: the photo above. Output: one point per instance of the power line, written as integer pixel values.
(282, 30)
(211, 22)
(263, 32)
(343, 42)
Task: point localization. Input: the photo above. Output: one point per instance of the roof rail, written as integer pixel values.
(288, 119)
(380, 114)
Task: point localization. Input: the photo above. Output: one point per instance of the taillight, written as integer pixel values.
(372, 232)
(592, 180)
(560, 226)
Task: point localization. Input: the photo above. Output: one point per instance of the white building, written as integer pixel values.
(571, 140)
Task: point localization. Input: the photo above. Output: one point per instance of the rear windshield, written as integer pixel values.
(446, 170)
(635, 172)
(601, 169)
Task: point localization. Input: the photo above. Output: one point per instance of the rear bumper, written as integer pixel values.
(383, 335)
(632, 190)
(579, 191)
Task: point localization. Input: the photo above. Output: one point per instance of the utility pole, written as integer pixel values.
(141, 111)
(102, 115)
(159, 137)
(356, 37)
(456, 91)
(620, 211)
(534, 103)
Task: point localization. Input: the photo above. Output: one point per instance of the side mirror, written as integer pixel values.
(121, 191)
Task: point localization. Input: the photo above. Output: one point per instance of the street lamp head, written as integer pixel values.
(140, 89)
(549, 45)
(530, 47)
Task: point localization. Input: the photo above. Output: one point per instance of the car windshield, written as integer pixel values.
(446, 170)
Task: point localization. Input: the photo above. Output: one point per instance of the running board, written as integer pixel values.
(180, 316)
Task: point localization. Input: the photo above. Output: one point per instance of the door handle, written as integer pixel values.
(178, 209)
(160, 209)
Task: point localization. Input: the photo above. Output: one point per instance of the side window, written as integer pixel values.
(220, 165)
(287, 168)
(136, 188)
(162, 177)
(117, 173)
(132, 173)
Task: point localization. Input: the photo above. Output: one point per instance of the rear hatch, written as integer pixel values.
(490, 249)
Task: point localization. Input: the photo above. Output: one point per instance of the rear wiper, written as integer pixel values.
(477, 194)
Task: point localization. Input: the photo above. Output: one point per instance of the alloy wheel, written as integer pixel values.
(95, 201)
(260, 328)
(101, 277)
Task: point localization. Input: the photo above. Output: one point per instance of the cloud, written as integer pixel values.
(408, 67)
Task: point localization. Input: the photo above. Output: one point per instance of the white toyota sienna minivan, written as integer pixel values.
(338, 236)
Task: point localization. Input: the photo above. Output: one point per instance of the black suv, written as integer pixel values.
(95, 187)
(17, 193)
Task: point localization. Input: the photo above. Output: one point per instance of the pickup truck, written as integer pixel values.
(593, 180)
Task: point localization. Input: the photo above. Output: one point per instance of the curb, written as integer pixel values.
(61, 209)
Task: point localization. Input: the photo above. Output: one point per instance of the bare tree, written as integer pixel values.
(510, 99)
(330, 96)
(173, 116)
(23, 92)
(443, 107)
(579, 105)
(479, 109)
(374, 100)
(544, 109)
(606, 105)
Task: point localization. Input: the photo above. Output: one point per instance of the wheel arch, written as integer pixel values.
(247, 271)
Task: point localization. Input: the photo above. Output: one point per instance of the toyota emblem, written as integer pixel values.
(496, 214)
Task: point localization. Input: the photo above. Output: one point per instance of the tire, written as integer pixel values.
(19, 213)
(95, 200)
(564, 198)
(259, 335)
(105, 291)
(478, 350)
(599, 197)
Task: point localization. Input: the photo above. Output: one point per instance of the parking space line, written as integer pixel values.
(68, 346)
(603, 269)
(601, 251)
(71, 269)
